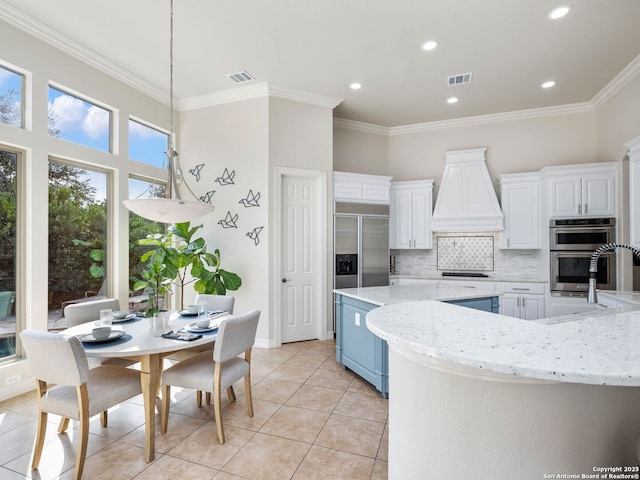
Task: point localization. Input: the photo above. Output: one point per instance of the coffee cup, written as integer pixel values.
(193, 309)
(118, 314)
(101, 333)
(202, 322)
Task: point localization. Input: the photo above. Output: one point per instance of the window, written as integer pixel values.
(77, 235)
(79, 121)
(147, 144)
(140, 227)
(8, 209)
(11, 97)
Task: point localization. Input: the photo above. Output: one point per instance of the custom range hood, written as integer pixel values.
(466, 200)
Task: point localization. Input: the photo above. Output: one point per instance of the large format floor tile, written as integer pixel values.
(312, 420)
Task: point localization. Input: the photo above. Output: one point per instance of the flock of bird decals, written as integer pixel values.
(249, 201)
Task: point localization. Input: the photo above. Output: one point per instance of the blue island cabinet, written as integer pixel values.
(364, 353)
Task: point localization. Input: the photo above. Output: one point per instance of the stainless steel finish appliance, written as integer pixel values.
(572, 242)
(361, 245)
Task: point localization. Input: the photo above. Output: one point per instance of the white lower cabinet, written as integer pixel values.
(522, 300)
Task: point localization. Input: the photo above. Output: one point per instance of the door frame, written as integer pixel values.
(321, 178)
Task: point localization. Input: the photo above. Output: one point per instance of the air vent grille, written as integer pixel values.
(240, 77)
(459, 79)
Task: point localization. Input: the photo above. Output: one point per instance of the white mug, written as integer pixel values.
(192, 309)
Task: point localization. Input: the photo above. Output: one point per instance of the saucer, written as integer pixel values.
(192, 327)
(89, 338)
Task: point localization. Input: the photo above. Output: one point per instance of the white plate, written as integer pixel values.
(192, 327)
(89, 338)
(127, 317)
(186, 313)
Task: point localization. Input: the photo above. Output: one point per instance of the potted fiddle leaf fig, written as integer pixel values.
(176, 256)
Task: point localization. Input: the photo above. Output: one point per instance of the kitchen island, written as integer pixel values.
(479, 395)
(365, 353)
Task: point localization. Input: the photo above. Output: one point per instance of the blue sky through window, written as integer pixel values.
(147, 145)
(79, 121)
(11, 94)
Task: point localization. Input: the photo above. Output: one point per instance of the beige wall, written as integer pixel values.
(360, 152)
(234, 136)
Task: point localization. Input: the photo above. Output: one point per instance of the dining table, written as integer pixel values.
(141, 341)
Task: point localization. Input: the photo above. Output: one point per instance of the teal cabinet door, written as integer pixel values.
(356, 347)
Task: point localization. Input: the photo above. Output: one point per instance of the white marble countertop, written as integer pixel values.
(601, 347)
(409, 293)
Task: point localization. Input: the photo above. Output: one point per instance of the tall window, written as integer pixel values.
(147, 144)
(79, 121)
(140, 227)
(11, 97)
(8, 208)
(77, 236)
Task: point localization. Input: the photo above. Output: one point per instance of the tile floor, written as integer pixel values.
(312, 420)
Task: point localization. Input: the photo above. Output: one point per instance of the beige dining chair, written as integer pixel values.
(213, 373)
(85, 312)
(217, 302)
(69, 388)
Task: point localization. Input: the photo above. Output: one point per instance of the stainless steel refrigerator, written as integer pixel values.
(361, 245)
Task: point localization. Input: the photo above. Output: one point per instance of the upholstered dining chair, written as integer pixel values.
(214, 373)
(69, 388)
(217, 302)
(85, 312)
(214, 302)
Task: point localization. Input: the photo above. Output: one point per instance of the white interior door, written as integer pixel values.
(301, 282)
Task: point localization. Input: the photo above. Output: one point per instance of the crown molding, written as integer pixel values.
(629, 73)
(360, 126)
(584, 107)
(257, 91)
(60, 41)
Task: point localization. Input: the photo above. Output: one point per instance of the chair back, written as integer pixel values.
(54, 358)
(236, 335)
(217, 302)
(83, 312)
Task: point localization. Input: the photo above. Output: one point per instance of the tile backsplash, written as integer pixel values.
(478, 252)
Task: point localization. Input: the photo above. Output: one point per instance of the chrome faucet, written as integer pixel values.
(592, 296)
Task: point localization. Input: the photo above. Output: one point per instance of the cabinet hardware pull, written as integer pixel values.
(579, 209)
(521, 289)
(586, 209)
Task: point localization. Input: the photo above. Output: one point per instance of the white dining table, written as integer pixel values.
(139, 342)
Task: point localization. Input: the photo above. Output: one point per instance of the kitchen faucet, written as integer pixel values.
(592, 297)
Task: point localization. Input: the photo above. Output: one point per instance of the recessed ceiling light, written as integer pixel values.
(548, 84)
(355, 86)
(452, 100)
(559, 12)
(430, 45)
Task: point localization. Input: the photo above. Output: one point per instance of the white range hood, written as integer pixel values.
(466, 200)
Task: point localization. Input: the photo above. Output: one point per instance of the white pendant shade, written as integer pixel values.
(168, 210)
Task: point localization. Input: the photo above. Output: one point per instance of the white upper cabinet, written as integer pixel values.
(634, 191)
(360, 188)
(410, 214)
(520, 197)
(587, 190)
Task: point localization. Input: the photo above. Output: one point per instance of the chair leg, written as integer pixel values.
(217, 375)
(104, 418)
(231, 395)
(83, 401)
(164, 409)
(39, 444)
(198, 398)
(207, 398)
(64, 424)
(247, 394)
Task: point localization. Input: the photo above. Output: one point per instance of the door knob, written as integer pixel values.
(285, 280)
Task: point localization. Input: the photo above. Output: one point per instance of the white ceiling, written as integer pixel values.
(322, 46)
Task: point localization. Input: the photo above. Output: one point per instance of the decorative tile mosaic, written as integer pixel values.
(465, 253)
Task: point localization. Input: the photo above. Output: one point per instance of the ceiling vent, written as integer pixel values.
(240, 77)
(459, 79)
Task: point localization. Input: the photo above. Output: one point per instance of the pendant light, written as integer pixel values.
(172, 208)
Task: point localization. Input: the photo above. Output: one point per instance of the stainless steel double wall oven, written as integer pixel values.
(571, 243)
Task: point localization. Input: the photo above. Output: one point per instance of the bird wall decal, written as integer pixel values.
(226, 178)
(251, 200)
(195, 171)
(230, 221)
(254, 234)
(206, 198)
